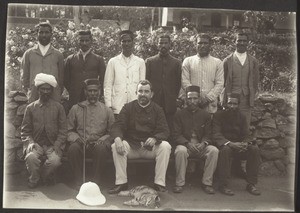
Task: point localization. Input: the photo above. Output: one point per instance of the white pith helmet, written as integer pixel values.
(90, 194)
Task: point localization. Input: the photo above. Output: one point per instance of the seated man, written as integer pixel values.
(192, 130)
(91, 132)
(140, 132)
(232, 136)
(43, 131)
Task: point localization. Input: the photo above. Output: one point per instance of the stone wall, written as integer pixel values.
(273, 125)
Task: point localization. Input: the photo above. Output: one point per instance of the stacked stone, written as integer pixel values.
(273, 125)
(15, 105)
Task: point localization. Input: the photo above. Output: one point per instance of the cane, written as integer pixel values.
(84, 137)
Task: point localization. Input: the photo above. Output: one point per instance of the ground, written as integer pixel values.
(277, 194)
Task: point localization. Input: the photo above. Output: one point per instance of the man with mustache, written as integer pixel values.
(241, 74)
(141, 131)
(42, 58)
(99, 120)
(43, 132)
(192, 131)
(205, 71)
(232, 136)
(82, 65)
(123, 72)
(164, 73)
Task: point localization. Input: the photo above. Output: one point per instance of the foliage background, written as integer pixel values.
(276, 53)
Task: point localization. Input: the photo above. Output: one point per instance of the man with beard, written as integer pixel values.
(43, 132)
(231, 134)
(82, 65)
(98, 121)
(122, 75)
(192, 131)
(241, 72)
(140, 132)
(164, 73)
(42, 58)
(204, 71)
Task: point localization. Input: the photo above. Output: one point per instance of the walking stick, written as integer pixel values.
(84, 138)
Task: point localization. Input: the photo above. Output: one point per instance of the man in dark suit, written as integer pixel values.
(164, 73)
(231, 134)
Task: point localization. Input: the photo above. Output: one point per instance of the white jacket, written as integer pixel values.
(120, 81)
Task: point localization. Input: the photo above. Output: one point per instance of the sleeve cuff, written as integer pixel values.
(225, 144)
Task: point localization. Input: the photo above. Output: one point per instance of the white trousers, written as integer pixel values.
(161, 154)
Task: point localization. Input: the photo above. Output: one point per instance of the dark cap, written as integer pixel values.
(234, 95)
(92, 81)
(84, 32)
(192, 88)
(126, 32)
(44, 24)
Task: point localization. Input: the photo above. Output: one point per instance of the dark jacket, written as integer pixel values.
(77, 70)
(136, 124)
(230, 126)
(185, 122)
(253, 77)
(165, 77)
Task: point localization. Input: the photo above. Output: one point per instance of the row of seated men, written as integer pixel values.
(140, 131)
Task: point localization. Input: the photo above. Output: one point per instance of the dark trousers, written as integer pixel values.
(99, 154)
(226, 154)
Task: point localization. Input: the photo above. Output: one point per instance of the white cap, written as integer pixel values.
(90, 194)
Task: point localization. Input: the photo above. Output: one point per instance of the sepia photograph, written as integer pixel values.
(149, 108)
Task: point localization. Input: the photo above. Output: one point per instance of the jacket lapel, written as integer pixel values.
(121, 60)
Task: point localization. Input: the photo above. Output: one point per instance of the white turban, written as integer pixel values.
(43, 78)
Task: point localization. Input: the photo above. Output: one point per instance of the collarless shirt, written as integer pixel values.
(84, 54)
(43, 48)
(127, 59)
(241, 56)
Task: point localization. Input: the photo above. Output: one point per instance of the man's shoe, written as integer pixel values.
(208, 189)
(32, 185)
(226, 191)
(252, 189)
(117, 188)
(160, 188)
(178, 189)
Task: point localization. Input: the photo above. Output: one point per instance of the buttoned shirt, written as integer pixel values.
(241, 56)
(99, 120)
(44, 118)
(43, 48)
(136, 124)
(205, 72)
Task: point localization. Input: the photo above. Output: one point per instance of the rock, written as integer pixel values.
(280, 120)
(292, 119)
(271, 144)
(20, 98)
(18, 120)
(12, 94)
(280, 166)
(269, 107)
(289, 111)
(10, 130)
(287, 129)
(280, 105)
(287, 142)
(11, 105)
(21, 109)
(291, 154)
(266, 133)
(272, 154)
(268, 168)
(269, 122)
(267, 115)
(268, 98)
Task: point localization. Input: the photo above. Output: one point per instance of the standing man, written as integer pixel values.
(164, 73)
(141, 131)
(192, 135)
(232, 136)
(97, 124)
(204, 71)
(42, 58)
(82, 65)
(241, 72)
(43, 132)
(122, 75)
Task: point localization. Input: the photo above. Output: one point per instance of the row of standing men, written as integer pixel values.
(123, 73)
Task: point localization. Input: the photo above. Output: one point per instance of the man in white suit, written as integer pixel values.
(123, 73)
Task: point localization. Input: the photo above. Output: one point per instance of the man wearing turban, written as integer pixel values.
(43, 132)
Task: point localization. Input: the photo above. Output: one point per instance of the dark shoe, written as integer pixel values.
(32, 185)
(208, 189)
(252, 189)
(226, 191)
(178, 189)
(118, 188)
(160, 188)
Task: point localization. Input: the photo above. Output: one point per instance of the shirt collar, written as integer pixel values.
(85, 53)
(41, 104)
(240, 54)
(43, 47)
(147, 108)
(87, 103)
(202, 58)
(164, 56)
(124, 57)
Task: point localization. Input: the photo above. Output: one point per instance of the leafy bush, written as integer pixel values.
(276, 54)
